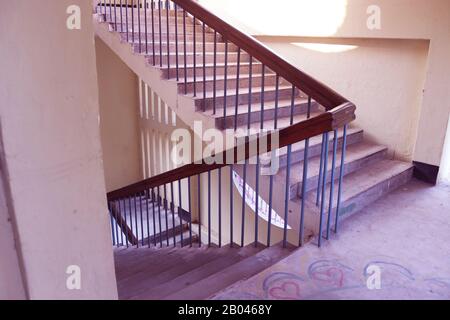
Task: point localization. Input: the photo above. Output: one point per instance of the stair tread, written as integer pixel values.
(239, 271)
(354, 152)
(227, 257)
(232, 92)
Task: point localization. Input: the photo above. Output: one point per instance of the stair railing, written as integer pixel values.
(174, 35)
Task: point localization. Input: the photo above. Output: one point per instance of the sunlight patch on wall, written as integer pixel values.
(325, 47)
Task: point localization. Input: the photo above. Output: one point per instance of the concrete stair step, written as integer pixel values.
(358, 156)
(224, 258)
(242, 270)
(209, 37)
(164, 58)
(232, 67)
(147, 44)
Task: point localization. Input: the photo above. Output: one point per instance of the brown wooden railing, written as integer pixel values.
(156, 30)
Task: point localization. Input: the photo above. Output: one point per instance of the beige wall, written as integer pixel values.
(50, 128)
(401, 19)
(119, 125)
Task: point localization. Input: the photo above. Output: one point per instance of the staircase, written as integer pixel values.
(229, 81)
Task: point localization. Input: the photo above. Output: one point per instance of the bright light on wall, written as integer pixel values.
(325, 47)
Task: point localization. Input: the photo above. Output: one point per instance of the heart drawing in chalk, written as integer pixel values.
(332, 276)
(286, 291)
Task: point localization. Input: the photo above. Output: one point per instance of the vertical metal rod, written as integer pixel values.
(204, 65)
(324, 185)
(142, 220)
(214, 73)
(131, 216)
(190, 211)
(209, 208)
(237, 88)
(277, 91)
(136, 220)
(159, 218)
(199, 200)
(319, 181)
(168, 36)
(121, 16)
(195, 57)
(304, 181)
(341, 178)
(153, 31)
(122, 227)
(126, 222)
(110, 11)
(132, 21)
(243, 203)
(225, 85)
(231, 205)
(333, 165)
(146, 27)
(139, 25)
(117, 225)
(113, 237)
(287, 194)
(185, 51)
(126, 20)
(180, 208)
(115, 16)
(166, 214)
(147, 199)
(154, 203)
(220, 206)
(176, 43)
(160, 35)
(172, 209)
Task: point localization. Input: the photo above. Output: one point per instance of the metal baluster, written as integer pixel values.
(126, 222)
(225, 86)
(220, 206)
(153, 31)
(110, 11)
(172, 209)
(113, 237)
(147, 199)
(146, 27)
(121, 16)
(195, 58)
(154, 203)
(136, 220)
(180, 208)
(333, 165)
(132, 21)
(304, 180)
(166, 214)
(117, 224)
(160, 35)
(159, 218)
(215, 73)
(176, 43)
(190, 211)
(115, 15)
(341, 177)
(237, 88)
(231, 205)
(322, 154)
(185, 51)
(324, 185)
(122, 228)
(168, 36)
(126, 20)
(139, 26)
(142, 221)
(204, 66)
(209, 208)
(199, 212)
(277, 92)
(131, 217)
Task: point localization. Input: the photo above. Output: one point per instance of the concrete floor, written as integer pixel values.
(406, 235)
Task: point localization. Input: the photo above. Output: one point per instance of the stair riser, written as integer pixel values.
(113, 19)
(315, 150)
(243, 98)
(209, 71)
(189, 37)
(242, 119)
(136, 10)
(269, 80)
(295, 190)
(209, 58)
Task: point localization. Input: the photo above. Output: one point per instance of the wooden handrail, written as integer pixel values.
(323, 94)
(324, 122)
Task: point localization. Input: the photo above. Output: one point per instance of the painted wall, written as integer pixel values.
(119, 123)
(342, 19)
(50, 127)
